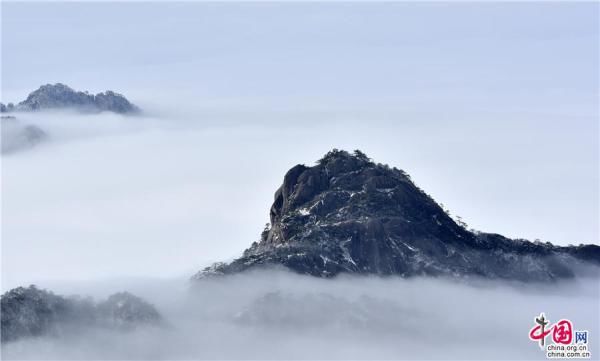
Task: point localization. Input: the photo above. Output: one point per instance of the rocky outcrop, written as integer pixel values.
(348, 214)
(31, 312)
(60, 96)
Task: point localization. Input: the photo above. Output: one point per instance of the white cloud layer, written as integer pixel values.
(285, 316)
(491, 108)
(169, 192)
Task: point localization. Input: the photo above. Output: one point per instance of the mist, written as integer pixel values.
(234, 95)
(492, 109)
(190, 188)
(186, 187)
(279, 315)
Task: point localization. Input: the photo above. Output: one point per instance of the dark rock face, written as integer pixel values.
(30, 312)
(349, 214)
(60, 96)
(17, 136)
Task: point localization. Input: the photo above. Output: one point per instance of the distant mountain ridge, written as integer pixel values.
(60, 96)
(348, 214)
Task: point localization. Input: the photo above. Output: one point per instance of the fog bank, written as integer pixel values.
(278, 315)
(186, 188)
(234, 95)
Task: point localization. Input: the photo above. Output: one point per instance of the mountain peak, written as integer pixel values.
(61, 96)
(348, 214)
(337, 156)
(57, 87)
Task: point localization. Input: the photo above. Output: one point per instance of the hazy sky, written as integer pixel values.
(492, 108)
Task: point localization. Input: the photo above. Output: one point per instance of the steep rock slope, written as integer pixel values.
(348, 214)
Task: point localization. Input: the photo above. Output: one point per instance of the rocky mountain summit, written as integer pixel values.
(30, 312)
(348, 214)
(60, 96)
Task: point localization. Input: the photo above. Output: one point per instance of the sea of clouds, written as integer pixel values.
(182, 185)
(109, 203)
(234, 95)
(279, 315)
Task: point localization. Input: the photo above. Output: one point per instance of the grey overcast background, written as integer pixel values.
(491, 108)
